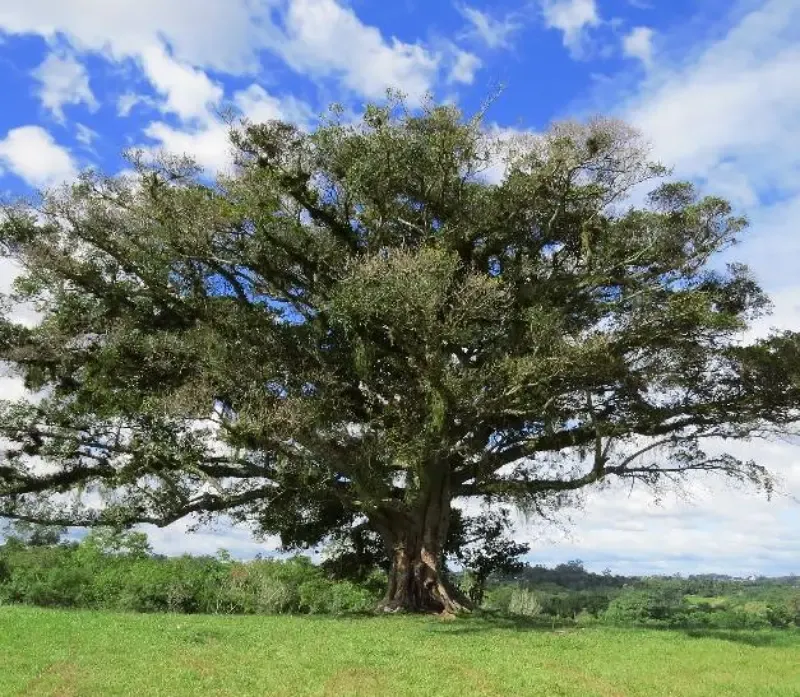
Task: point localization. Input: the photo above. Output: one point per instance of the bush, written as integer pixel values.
(737, 618)
(644, 607)
(525, 603)
(498, 598)
(112, 571)
(348, 598)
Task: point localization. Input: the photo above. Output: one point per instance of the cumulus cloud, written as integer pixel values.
(62, 80)
(771, 246)
(188, 92)
(179, 538)
(715, 528)
(222, 35)
(505, 141)
(324, 39)
(31, 153)
(638, 43)
(728, 118)
(320, 38)
(573, 18)
(492, 31)
(127, 101)
(464, 66)
(209, 142)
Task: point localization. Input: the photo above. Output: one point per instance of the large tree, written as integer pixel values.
(355, 326)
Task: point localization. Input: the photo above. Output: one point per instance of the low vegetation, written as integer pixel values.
(569, 594)
(116, 571)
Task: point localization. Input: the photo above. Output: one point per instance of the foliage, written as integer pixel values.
(32, 534)
(571, 576)
(110, 570)
(113, 570)
(486, 548)
(357, 325)
(569, 593)
(642, 606)
(524, 602)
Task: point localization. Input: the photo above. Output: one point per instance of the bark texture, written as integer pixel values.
(414, 542)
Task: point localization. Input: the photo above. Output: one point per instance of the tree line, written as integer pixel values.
(117, 571)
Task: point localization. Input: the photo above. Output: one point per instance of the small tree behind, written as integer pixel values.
(488, 548)
(34, 534)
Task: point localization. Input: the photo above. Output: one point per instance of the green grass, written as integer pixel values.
(88, 654)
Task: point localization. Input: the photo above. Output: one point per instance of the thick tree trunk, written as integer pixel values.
(414, 542)
(417, 584)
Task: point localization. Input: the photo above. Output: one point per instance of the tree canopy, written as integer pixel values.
(357, 325)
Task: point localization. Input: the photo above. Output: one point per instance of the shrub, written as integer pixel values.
(525, 603)
(498, 598)
(779, 616)
(334, 597)
(649, 606)
(117, 571)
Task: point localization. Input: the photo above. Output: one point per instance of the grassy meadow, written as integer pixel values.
(92, 654)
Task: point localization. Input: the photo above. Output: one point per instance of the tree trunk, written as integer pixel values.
(417, 583)
(414, 543)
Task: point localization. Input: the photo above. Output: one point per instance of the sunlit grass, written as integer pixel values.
(88, 654)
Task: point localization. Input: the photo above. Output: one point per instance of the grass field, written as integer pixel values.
(86, 654)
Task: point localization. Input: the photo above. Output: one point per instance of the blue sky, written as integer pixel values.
(713, 84)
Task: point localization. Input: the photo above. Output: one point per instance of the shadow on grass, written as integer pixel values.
(762, 637)
(483, 623)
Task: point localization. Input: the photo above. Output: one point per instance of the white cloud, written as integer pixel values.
(726, 116)
(785, 313)
(208, 145)
(85, 135)
(222, 35)
(738, 97)
(572, 18)
(188, 91)
(208, 142)
(505, 143)
(256, 104)
(32, 154)
(464, 66)
(320, 38)
(62, 81)
(729, 117)
(12, 387)
(718, 528)
(638, 43)
(495, 33)
(324, 39)
(179, 538)
(771, 246)
(127, 101)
